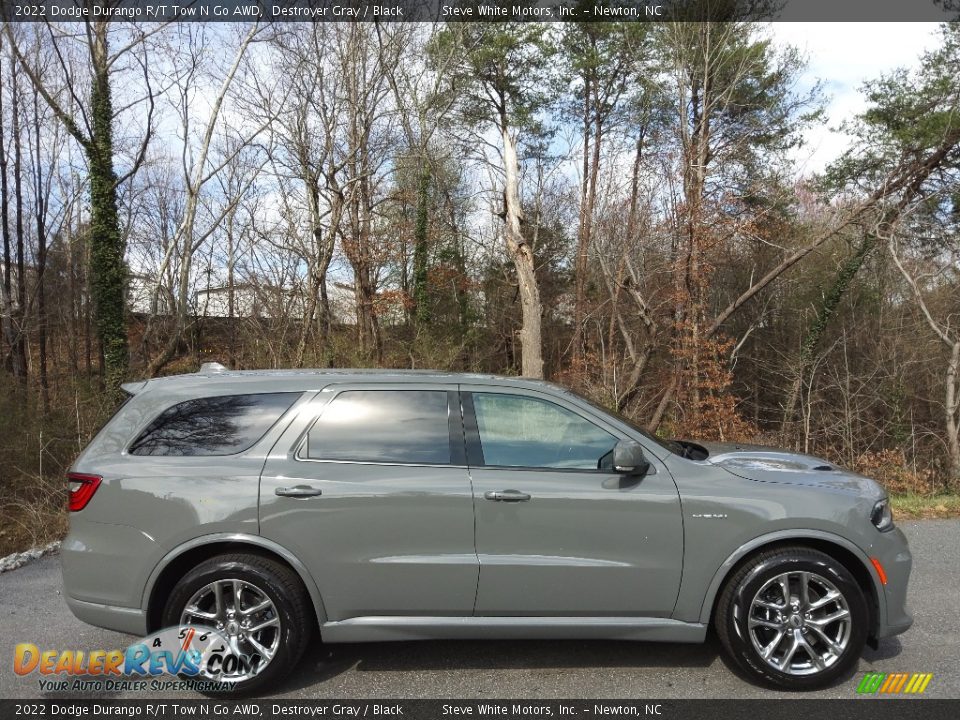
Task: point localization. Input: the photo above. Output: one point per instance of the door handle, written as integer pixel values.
(507, 496)
(298, 491)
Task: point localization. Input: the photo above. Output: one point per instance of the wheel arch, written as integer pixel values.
(837, 547)
(178, 562)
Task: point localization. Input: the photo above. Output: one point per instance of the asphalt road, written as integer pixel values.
(33, 610)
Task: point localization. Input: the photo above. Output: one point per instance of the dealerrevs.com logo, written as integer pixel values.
(201, 658)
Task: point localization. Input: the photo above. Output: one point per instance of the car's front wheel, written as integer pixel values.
(256, 606)
(793, 617)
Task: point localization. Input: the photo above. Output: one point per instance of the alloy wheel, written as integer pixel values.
(799, 623)
(245, 617)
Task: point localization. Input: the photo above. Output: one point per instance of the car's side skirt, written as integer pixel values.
(387, 628)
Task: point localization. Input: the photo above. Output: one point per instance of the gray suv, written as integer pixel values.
(269, 506)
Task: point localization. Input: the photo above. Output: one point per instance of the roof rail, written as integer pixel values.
(211, 367)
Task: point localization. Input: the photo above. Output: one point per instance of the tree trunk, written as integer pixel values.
(40, 203)
(231, 296)
(326, 247)
(107, 268)
(322, 252)
(583, 228)
(73, 308)
(462, 299)
(313, 276)
(18, 318)
(368, 288)
(12, 360)
(828, 308)
(309, 312)
(420, 238)
(522, 256)
(690, 281)
(357, 250)
(87, 305)
(952, 414)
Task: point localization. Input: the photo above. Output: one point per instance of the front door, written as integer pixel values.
(559, 533)
(368, 487)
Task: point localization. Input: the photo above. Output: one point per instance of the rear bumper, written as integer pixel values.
(132, 621)
(106, 563)
(101, 567)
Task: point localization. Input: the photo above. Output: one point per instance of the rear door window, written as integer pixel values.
(222, 425)
(383, 426)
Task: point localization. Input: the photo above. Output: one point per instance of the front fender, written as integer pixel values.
(778, 537)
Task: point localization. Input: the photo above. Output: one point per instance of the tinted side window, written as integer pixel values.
(221, 425)
(518, 431)
(401, 426)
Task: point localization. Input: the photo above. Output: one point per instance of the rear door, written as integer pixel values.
(369, 488)
(559, 533)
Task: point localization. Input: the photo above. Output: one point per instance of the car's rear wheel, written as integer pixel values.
(794, 618)
(256, 605)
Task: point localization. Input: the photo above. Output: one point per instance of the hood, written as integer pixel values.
(773, 465)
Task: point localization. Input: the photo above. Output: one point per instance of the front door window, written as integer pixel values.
(527, 432)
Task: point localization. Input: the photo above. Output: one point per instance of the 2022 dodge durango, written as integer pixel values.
(285, 507)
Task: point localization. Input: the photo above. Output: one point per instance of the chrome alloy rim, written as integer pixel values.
(799, 623)
(245, 617)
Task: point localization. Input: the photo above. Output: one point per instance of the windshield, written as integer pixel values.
(669, 445)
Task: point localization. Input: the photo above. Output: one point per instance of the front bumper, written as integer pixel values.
(893, 552)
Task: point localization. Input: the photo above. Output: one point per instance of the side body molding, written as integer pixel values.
(246, 539)
(798, 534)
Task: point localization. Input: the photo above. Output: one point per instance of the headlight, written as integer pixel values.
(882, 515)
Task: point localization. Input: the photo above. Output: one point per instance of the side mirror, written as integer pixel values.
(628, 458)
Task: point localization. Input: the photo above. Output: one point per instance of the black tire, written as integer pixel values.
(732, 609)
(279, 583)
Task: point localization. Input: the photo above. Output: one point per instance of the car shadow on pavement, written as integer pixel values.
(326, 662)
(888, 648)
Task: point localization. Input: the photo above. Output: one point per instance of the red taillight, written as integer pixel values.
(82, 488)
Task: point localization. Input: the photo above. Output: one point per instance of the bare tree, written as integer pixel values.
(90, 121)
(311, 155)
(946, 331)
(198, 170)
(504, 80)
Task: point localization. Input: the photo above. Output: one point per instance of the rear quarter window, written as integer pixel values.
(222, 425)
